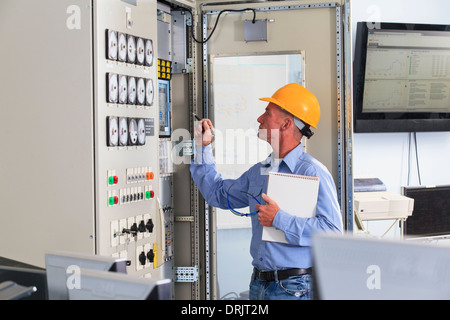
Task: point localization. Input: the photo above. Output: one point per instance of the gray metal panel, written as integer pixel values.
(47, 151)
(179, 41)
(164, 50)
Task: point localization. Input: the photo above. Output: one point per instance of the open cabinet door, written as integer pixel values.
(244, 61)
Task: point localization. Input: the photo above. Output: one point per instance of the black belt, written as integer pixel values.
(281, 274)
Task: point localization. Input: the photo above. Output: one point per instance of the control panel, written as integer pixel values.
(129, 217)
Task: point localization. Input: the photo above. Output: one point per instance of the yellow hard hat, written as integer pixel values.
(298, 101)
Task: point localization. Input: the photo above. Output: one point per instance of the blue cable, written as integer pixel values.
(240, 213)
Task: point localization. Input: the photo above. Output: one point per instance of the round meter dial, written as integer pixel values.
(133, 131)
(131, 90)
(112, 45)
(113, 131)
(123, 89)
(122, 47)
(141, 132)
(148, 52)
(131, 51)
(113, 88)
(141, 91)
(123, 131)
(140, 51)
(149, 92)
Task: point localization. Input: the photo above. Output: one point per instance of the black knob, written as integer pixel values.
(150, 255)
(149, 225)
(142, 259)
(142, 226)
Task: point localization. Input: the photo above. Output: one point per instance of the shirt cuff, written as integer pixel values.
(203, 154)
(281, 220)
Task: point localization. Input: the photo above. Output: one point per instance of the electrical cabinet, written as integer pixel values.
(90, 144)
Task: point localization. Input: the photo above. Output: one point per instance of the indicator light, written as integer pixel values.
(113, 180)
(113, 200)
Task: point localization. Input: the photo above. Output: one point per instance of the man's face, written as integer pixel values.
(270, 123)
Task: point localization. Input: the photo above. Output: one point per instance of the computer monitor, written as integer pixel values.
(350, 267)
(61, 264)
(401, 81)
(431, 215)
(102, 285)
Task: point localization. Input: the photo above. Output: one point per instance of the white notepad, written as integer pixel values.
(295, 194)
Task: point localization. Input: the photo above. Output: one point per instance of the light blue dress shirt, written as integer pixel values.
(298, 231)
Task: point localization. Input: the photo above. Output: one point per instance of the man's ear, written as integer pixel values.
(286, 124)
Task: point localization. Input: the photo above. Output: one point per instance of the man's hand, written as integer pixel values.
(267, 211)
(203, 132)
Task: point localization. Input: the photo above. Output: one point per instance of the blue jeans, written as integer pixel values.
(293, 288)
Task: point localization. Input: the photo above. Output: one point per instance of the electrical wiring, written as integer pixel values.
(217, 20)
(413, 135)
(417, 158)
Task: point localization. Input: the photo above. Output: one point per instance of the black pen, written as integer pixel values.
(198, 118)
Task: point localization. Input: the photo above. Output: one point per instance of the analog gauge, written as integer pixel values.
(122, 47)
(131, 90)
(112, 44)
(113, 87)
(123, 131)
(149, 92)
(148, 52)
(123, 89)
(141, 132)
(141, 91)
(140, 51)
(131, 51)
(113, 131)
(132, 131)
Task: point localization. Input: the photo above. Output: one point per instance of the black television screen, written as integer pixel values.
(431, 213)
(401, 80)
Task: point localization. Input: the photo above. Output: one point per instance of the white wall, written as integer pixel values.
(385, 155)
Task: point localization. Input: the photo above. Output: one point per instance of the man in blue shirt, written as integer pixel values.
(281, 271)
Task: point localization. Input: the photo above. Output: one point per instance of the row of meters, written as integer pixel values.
(129, 48)
(125, 131)
(129, 90)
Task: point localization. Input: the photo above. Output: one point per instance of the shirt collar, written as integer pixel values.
(292, 157)
(290, 160)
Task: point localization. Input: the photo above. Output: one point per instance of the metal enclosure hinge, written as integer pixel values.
(186, 274)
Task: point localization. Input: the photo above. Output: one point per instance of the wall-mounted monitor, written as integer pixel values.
(401, 80)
